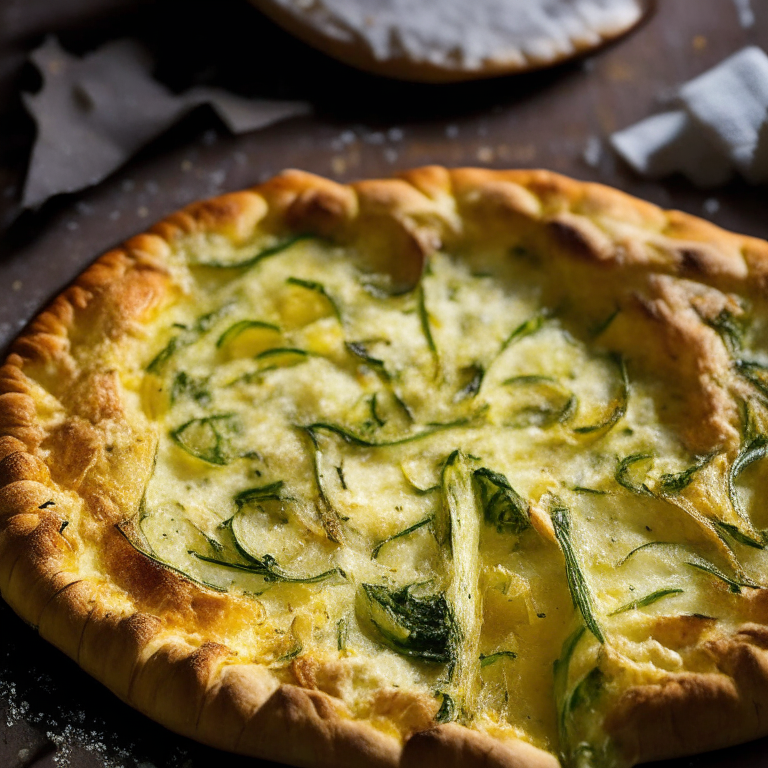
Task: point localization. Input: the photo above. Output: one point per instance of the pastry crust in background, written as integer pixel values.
(451, 40)
(153, 636)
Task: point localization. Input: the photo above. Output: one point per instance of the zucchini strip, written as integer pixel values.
(603, 325)
(330, 519)
(526, 328)
(623, 478)
(240, 327)
(699, 563)
(277, 351)
(186, 338)
(350, 437)
(358, 349)
(342, 634)
(755, 373)
(487, 660)
(270, 492)
(618, 407)
(577, 583)
(734, 585)
(503, 507)
(731, 331)
(425, 326)
(647, 544)
(738, 535)
(561, 408)
(415, 527)
(754, 450)
(260, 256)
(264, 564)
(419, 627)
(319, 288)
(593, 491)
(561, 669)
(420, 491)
(267, 568)
(458, 524)
(472, 387)
(206, 439)
(642, 602)
(447, 711)
(675, 482)
(128, 530)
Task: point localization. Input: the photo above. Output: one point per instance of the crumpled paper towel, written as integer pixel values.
(719, 127)
(94, 113)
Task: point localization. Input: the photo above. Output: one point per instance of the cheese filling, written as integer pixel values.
(461, 490)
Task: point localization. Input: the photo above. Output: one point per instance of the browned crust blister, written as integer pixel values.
(151, 636)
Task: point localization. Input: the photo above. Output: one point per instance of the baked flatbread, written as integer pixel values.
(451, 40)
(462, 468)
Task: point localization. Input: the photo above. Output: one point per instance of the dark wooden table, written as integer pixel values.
(50, 712)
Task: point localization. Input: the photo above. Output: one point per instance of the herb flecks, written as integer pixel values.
(186, 386)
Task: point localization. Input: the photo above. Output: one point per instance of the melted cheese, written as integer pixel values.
(284, 396)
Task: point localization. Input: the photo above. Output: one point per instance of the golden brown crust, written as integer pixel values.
(152, 636)
(698, 712)
(452, 746)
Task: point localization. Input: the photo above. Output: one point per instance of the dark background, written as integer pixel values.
(364, 126)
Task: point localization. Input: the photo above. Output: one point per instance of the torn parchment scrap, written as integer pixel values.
(94, 113)
(718, 127)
